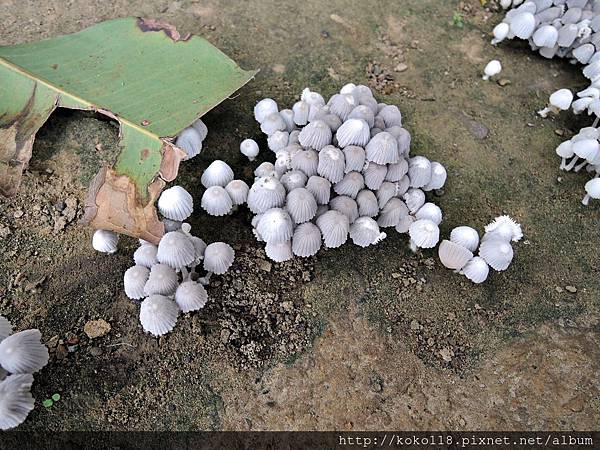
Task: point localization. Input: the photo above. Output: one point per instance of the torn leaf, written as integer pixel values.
(140, 72)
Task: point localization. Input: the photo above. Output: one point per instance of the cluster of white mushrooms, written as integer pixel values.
(166, 277)
(568, 29)
(342, 169)
(21, 355)
(495, 250)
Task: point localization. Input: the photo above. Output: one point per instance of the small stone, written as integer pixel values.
(225, 333)
(504, 82)
(559, 132)
(447, 354)
(96, 328)
(95, 351)
(18, 213)
(264, 265)
(558, 289)
(396, 275)
(571, 289)
(4, 232)
(415, 325)
(401, 67)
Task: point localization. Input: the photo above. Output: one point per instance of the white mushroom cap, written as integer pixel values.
(218, 257)
(583, 53)
(342, 105)
(307, 161)
(430, 211)
(176, 250)
(23, 352)
(293, 139)
(190, 296)
(312, 97)
(565, 149)
(355, 158)
(279, 251)
(145, 255)
(386, 191)
(466, 237)
(301, 110)
(419, 171)
(293, 179)
(315, 135)
(374, 175)
(334, 228)
(586, 148)
(16, 400)
(453, 256)
(404, 224)
(404, 139)
(346, 206)
(506, 228)
(265, 169)
(500, 32)
(402, 186)
(561, 99)
(276, 225)
(105, 241)
(546, 36)
(5, 328)
(301, 205)
(190, 141)
(272, 123)
(218, 173)
(158, 315)
(162, 280)
(424, 233)
(332, 121)
(264, 108)
(201, 128)
(592, 189)
(331, 163)
(238, 191)
(134, 280)
(363, 112)
(522, 25)
(438, 177)
(199, 248)
(476, 270)
(567, 35)
(317, 112)
(391, 116)
(367, 203)
(492, 68)
(350, 185)
(382, 149)
(365, 231)
(353, 132)
(249, 148)
(498, 253)
(266, 193)
(414, 199)
(216, 201)
(172, 225)
(320, 188)
(392, 212)
(288, 117)
(396, 171)
(306, 240)
(278, 140)
(176, 203)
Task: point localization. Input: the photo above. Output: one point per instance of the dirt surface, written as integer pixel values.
(375, 338)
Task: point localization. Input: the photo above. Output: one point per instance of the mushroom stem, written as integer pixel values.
(572, 163)
(544, 112)
(586, 200)
(206, 279)
(485, 77)
(413, 246)
(596, 120)
(563, 163)
(185, 275)
(580, 166)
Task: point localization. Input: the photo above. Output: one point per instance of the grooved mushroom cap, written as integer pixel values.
(145, 255)
(176, 250)
(162, 280)
(453, 256)
(190, 141)
(476, 270)
(16, 400)
(266, 193)
(315, 135)
(218, 173)
(23, 352)
(190, 296)
(275, 225)
(218, 257)
(334, 228)
(158, 314)
(504, 227)
(216, 201)
(301, 205)
(264, 108)
(365, 231)
(176, 203)
(279, 251)
(498, 253)
(466, 237)
(306, 240)
(105, 241)
(353, 132)
(249, 148)
(134, 280)
(424, 233)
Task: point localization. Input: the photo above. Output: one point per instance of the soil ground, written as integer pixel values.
(375, 338)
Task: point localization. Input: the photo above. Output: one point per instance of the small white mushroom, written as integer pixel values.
(266, 193)
(201, 128)
(365, 231)
(265, 169)
(301, 110)
(498, 253)
(279, 251)
(367, 203)
(522, 25)
(238, 191)
(391, 214)
(16, 401)
(405, 223)
(288, 117)
(105, 241)
(505, 228)
(396, 171)
(320, 188)
(363, 112)
(278, 141)
(301, 205)
(491, 69)
(500, 32)
(145, 255)
(354, 157)
(272, 123)
(218, 257)
(334, 228)
(264, 108)
(438, 177)
(402, 186)
(391, 116)
(546, 36)
(431, 212)
(176, 250)
(466, 237)
(342, 105)
(5, 328)
(276, 225)
(306, 240)
(191, 296)
(423, 234)
(559, 101)
(307, 161)
(419, 171)
(353, 132)
(162, 280)
(414, 199)
(190, 142)
(176, 203)
(216, 201)
(249, 148)
(218, 173)
(293, 179)
(312, 98)
(350, 185)
(374, 175)
(331, 163)
(315, 135)
(476, 270)
(454, 256)
(23, 352)
(134, 280)
(592, 189)
(346, 206)
(382, 149)
(158, 314)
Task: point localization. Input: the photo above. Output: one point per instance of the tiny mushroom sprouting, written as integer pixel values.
(492, 68)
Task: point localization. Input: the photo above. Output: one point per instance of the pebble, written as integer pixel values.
(558, 289)
(401, 67)
(571, 289)
(95, 351)
(96, 328)
(264, 265)
(18, 213)
(504, 82)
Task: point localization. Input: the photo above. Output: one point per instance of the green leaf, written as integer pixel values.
(56, 397)
(140, 72)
